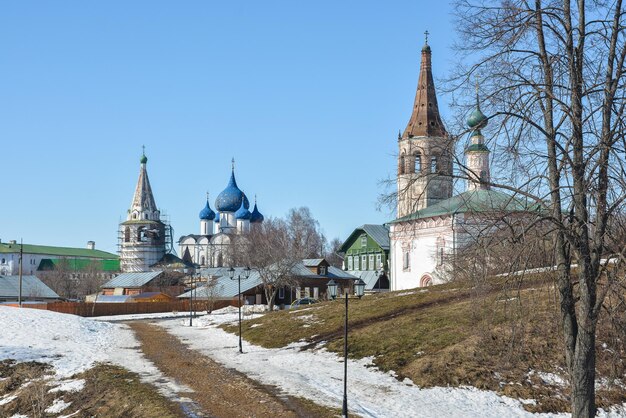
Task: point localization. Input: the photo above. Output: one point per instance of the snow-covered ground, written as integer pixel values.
(318, 375)
(72, 344)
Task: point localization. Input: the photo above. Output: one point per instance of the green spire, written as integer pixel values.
(143, 159)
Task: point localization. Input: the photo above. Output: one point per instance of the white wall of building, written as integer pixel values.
(423, 241)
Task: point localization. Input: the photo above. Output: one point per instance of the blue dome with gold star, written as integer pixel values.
(231, 198)
(256, 216)
(243, 212)
(207, 213)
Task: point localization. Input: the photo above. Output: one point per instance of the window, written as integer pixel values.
(401, 165)
(433, 165)
(322, 270)
(379, 261)
(356, 262)
(363, 240)
(363, 262)
(372, 266)
(127, 234)
(418, 162)
(406, 265)
(441, 243)
(281, 293)
(350, 265)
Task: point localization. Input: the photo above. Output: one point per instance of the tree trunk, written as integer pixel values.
(583, 374)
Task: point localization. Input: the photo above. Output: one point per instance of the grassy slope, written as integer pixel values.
(492, 337)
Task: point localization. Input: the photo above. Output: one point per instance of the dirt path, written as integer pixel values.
(218, 391)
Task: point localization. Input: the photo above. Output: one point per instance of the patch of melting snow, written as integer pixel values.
(72, 385)
(255, 325)
(552, 379)
(406, 293)
(7, 399)
(70, 415)
(57, 406)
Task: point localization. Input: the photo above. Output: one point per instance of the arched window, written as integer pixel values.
(141, 234)
(433, 165)
(418, 162)
(426, 280)
(406, 261)
(202, 261)
(401, 165)
(220, 260)
(127, 234)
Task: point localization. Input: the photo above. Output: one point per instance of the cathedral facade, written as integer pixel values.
(219, 230)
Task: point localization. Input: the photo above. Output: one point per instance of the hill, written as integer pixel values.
(502, 335)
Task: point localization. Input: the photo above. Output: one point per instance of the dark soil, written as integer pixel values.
(218, 391)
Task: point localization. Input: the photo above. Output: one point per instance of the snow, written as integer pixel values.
(72, 344)
(7, 399)
(318, 375)
(72, 385)
(57, 406)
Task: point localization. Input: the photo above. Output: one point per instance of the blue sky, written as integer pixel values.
(307, 97)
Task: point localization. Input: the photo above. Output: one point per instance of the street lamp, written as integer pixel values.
(231, 274)
(359, 288)
(191, 272)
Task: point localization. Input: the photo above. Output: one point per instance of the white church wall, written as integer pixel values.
(422, 240)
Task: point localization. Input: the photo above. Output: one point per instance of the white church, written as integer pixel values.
(432, 224)
(218, 231)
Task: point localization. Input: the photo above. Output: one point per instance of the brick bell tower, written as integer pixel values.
(424, 149)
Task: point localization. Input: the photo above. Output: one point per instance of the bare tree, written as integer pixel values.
(553, 72)
(268, 249)
(334, 256)
(61, 279)
(274, 247)
(304, 233)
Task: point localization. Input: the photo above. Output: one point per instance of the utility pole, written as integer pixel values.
(20, 268)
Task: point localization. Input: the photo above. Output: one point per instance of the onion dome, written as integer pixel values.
(231, 198)
(143, 159)
(256, 216)
(207, 214)
(477, 119)
(243, 213)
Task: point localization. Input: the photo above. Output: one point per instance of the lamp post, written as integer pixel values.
(359, 287)
(231, 274)
(191, 272)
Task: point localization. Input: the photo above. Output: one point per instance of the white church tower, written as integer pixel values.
(142, 235)
(425, 149)
(477, 153)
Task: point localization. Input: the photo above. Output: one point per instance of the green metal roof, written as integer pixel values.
(78, 264)
(58, 251)
(479, 200)
(478, 147)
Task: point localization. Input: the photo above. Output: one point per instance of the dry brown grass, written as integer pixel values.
(109, 391)
(499, 335)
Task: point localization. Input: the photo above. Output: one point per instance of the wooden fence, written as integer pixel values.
(108, 309)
